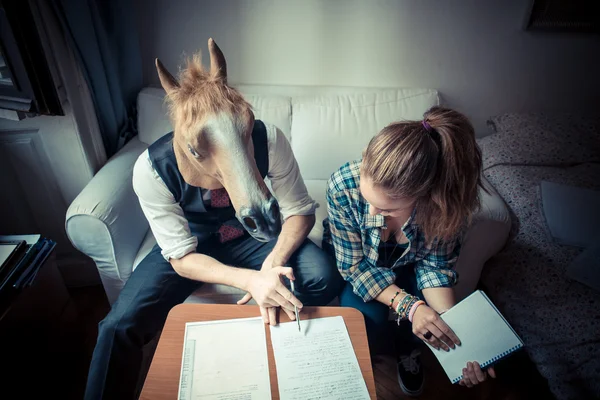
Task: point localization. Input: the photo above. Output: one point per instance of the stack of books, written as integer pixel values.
(21, 257)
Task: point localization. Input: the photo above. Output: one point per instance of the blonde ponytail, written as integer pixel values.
(437, 161)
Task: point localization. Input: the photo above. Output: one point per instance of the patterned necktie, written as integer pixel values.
(219, 199)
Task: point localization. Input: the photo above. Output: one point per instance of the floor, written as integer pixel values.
(517, 377)
(513, 382)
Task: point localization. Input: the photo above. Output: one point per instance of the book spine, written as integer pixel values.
(33, 265)
(29, 280)
(493, 360)
(29, 255)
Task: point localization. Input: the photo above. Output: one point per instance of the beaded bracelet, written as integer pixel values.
(392, 300)
(404, 307)
(409, 307)
(414, 307)
(401, 307)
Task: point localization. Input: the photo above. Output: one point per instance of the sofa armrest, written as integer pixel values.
(486, 236)
(106, 222)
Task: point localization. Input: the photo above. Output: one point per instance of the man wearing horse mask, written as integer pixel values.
(203, 192)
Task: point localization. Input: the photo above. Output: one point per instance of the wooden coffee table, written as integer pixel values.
(162, 381)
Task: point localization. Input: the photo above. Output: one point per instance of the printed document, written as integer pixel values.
(225, 360)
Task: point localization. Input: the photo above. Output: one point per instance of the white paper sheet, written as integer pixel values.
(225, 360)
(485, 335)
(317, 363)
(5, 251)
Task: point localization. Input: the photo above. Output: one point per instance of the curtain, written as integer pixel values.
(104, 38)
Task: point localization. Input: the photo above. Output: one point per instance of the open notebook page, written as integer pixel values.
(484, 334)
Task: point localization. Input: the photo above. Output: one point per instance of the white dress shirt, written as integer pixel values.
(165, 215)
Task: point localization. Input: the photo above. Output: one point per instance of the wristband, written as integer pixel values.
(392, 300)
(413, 309)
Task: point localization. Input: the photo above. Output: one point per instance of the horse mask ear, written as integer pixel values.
(218, 66)
(168, 82)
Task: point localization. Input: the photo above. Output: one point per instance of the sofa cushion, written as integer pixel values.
(145, 248)
(207, 293)
(317, 189)
(153, 120)
(329, 130)
(276, 110)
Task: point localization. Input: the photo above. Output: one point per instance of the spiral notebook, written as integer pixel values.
(486, 337)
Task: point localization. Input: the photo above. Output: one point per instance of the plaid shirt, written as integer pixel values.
(355, 236)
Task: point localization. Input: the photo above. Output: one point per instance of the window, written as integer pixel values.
(26, 84)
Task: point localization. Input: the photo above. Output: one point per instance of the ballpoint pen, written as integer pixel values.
(296, 308)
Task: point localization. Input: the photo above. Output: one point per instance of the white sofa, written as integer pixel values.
(327, 126)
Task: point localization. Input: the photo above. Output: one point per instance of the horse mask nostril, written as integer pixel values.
(250, 224)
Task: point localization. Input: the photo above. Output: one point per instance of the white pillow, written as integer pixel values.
(330, 130)
(572, 213)
(586, 267)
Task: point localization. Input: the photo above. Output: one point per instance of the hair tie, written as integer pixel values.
(426, 126)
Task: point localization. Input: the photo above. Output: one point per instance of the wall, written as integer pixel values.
(473, 51)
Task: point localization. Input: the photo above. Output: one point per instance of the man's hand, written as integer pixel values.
(293, 233)
(269, 314)
(267, 288)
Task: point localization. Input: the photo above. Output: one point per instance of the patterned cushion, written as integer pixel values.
(540, 139)
(558, 319)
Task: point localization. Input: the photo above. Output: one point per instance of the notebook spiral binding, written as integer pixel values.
(493, 360)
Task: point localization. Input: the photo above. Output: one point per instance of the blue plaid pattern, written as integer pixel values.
(355, 236)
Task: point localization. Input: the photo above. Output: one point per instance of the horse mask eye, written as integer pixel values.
(194, 153)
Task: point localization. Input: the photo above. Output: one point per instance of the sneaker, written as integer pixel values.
(410, 374)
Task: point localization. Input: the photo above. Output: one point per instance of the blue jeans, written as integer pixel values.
(376, 314)
(154, 288)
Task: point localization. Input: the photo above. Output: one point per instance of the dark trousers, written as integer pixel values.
(154, 288)
(380, 331)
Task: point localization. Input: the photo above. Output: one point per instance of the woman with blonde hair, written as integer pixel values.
(395, 222)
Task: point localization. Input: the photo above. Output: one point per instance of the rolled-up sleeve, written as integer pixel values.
(437, 268)
(285, 177)
(367, 279)
(164, 214)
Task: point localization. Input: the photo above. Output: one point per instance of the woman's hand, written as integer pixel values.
(429, 327)
(474, 375)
